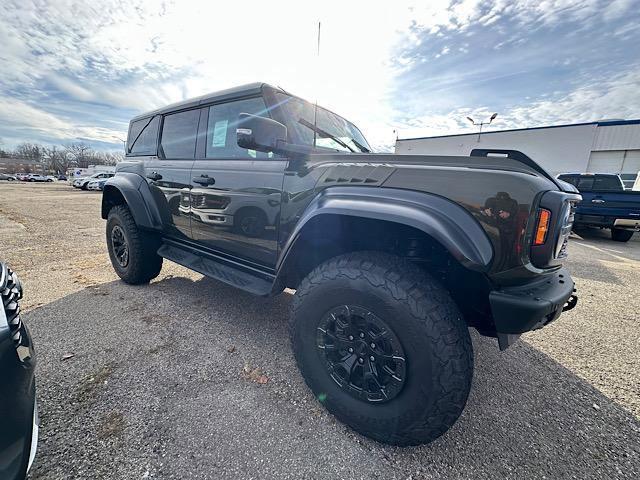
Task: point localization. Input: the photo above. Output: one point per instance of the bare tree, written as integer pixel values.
(57, 160)
(30, 151)
(80, 154)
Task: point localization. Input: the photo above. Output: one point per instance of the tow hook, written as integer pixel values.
(572, 302)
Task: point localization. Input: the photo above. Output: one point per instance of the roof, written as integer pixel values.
(240, 91)
(601, 123)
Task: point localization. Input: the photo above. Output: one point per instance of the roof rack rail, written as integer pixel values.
(514, 155)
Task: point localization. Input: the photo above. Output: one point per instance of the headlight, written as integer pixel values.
(566, 224)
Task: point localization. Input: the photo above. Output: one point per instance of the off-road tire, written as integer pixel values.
(144, 263)
(429, 326)
(620, 235)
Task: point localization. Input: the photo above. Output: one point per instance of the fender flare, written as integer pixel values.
(137, 196)
(444, 220)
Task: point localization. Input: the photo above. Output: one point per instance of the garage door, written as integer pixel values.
(631, 162)
(606, 162)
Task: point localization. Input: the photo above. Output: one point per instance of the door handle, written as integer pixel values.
(597, 200)
(204, 180)
(154, 176)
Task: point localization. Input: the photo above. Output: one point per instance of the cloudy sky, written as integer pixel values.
(78, 70)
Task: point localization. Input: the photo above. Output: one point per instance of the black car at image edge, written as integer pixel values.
(18, 407)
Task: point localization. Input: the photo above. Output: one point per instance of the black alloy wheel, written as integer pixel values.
(120, 246)
(362, 354)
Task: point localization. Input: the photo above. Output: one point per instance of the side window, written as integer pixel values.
(221, 129)
(143, 135)
(179, 132)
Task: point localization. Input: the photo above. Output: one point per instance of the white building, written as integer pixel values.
(608, 146)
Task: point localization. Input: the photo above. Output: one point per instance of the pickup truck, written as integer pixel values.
(392, 257)
(606, 204)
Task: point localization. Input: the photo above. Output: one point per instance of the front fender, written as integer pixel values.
(445, 221)
(132, 190)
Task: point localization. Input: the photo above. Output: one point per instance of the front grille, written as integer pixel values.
(11, 294)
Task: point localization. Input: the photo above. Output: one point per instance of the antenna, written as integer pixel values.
(315, 110)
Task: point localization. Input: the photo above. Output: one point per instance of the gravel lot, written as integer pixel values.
(166, 380)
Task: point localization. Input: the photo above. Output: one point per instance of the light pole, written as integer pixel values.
(482, 123)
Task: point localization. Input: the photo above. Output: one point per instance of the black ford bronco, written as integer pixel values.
(392, 257)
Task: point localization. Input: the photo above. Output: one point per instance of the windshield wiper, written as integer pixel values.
(360, 146)
(324, 134)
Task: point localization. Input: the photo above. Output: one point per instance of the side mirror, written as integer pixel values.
(260, 133)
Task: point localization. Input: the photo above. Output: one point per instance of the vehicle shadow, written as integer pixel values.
(195, 379)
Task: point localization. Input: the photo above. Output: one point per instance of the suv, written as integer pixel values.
(392, 257)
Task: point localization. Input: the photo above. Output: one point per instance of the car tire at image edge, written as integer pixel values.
(393, 311)
(133, 252)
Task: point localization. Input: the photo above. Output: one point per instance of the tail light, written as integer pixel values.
(542, 227)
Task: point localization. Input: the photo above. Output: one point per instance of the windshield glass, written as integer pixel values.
(330, 130)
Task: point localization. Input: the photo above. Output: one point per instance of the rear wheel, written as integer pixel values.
(620, 235)
(133, 252)
(383, 346)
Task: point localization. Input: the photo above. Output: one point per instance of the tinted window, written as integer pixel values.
(143, 135)
(179, 132)
(608, 182)
(572, 179)
(221, 129)
(585, 184)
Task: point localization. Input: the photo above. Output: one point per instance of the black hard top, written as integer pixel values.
(228, 94)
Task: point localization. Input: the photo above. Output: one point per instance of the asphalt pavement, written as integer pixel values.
(189, 378)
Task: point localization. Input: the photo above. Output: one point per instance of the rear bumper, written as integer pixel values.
(531, 306)
(608, 221)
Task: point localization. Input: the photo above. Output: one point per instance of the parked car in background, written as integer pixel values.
(36, 177)
(97, 184)
(23, 177)
(18, 409)
(83, 182)
(606, 204)
(62, 178)
(9, 178)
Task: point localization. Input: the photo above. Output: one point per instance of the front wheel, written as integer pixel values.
(133, 252)
(620, 235)
(383, 346)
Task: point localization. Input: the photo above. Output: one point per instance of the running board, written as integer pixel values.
(217, 270)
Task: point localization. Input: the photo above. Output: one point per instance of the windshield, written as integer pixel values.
(330, 130)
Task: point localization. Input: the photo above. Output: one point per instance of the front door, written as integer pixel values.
(236, 193)
(169, 173)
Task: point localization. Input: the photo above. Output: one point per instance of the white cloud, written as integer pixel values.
(587, 103)
(135, 55)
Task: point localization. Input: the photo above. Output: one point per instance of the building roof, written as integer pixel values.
(600, 123)
(17, 161)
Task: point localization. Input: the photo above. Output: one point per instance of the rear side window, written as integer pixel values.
(179, 133)
(143, 135)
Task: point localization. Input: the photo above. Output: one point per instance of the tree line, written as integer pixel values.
(57, 159)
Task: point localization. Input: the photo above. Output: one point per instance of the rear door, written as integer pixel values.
(236, 193)
(169, 172)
